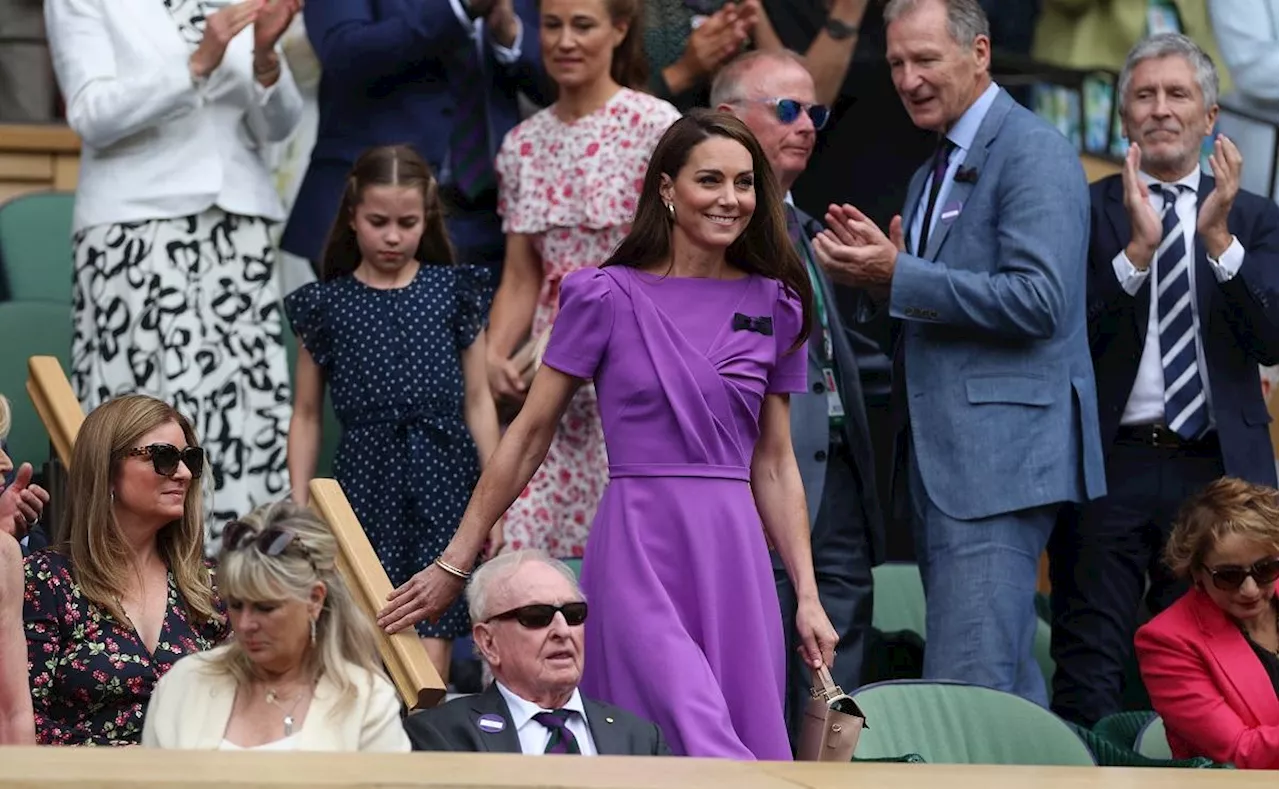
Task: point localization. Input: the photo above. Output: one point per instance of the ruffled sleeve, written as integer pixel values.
(305, 310)
(791, 371)
(469, 302)
(582, 328)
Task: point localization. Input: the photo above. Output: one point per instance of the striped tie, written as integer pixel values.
(470, 160)
(562, 740)
(1185, 411)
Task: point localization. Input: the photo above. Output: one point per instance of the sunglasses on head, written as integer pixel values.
(271, 541)
(1229, 578)
(165, 458)
(540, 615)
(788, 111)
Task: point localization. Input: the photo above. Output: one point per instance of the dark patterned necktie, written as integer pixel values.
(562, 740)
(941, 158)
(1185, 411)
(470, 158)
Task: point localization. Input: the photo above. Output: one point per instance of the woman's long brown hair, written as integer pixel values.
(388, 165)
(100, 561)
(764, 248)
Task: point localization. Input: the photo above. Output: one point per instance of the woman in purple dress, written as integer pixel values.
(693, 333)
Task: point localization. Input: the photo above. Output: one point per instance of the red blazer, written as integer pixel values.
(1208, 685)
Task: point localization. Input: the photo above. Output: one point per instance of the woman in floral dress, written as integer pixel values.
(569, 177)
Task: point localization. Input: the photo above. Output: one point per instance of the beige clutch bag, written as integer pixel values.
(832, 723)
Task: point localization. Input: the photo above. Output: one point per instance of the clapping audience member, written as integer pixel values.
(528, 615)
(175, 291)
(302, 673)
(1182, 292)
(994, 399)
(416, 430)
(17, 727)
(108, 613)
(440, 76)
(1208, 659)
(570, 179)
(688, 41)
(21, 502)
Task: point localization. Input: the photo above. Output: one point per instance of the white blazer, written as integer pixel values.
(191, 705)
(154, 146)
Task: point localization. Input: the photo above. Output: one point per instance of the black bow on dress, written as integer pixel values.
(762, 325)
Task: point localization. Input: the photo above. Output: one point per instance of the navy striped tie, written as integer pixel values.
(1185, 409)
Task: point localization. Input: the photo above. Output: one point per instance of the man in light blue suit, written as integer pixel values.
(994, 388)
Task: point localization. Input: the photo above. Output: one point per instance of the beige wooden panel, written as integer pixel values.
(405, 657)
(26, 167)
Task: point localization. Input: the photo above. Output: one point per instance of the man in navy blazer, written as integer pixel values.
(1179, 395)
(774, 95)
(994, 388)
(405, 71)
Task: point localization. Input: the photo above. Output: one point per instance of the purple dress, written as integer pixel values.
(685, 628)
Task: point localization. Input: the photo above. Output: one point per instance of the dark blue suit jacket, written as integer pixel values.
(1238, 324)
(387, 66)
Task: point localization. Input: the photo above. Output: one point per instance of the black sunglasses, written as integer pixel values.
(271, 541)
(165, 457)
(539, 615)
(1229, 578)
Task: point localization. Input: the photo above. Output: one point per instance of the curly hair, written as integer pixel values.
(1225, 507)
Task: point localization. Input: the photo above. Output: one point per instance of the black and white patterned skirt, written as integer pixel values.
(188, 310)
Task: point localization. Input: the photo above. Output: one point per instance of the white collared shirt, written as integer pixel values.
(533, 735)
(504, 54)
(1146, 399)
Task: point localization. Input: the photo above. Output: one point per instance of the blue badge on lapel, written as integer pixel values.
(491, 724)
(950, 211)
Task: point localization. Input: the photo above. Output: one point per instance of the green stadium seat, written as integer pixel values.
(35, 247)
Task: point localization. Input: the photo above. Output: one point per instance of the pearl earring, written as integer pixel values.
(671, 209)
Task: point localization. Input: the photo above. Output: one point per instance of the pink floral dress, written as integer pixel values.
(572, 187)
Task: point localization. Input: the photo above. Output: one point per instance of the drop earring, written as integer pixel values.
(313, 632)
(671, 209)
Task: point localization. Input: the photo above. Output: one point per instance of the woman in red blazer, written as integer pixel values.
(1209, 661)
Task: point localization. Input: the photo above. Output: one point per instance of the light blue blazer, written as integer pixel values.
(999, 381)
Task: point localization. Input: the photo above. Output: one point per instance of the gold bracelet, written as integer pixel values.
(451, 570)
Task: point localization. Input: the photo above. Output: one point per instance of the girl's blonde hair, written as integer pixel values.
(100, 561)
(247, 575)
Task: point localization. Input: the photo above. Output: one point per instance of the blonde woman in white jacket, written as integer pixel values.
(301, 674)
(175, 102)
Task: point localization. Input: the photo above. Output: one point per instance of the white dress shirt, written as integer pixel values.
(534, 736)
(1146, 400)
(504, 54)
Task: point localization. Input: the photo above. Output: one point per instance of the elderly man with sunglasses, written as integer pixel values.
(773, 93)
(527, 614)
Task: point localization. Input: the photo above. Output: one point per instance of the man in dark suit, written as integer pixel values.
(773, 93)
(1182, 310)
(442, 76)
(994, 392)
(527, 614)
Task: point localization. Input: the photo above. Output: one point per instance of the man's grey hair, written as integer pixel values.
(728, 86)
(1166, 45)
(965, 18)
(497, 571)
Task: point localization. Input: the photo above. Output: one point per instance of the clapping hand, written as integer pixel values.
(1143, 218)
(274, 17)
(22, 504)
(853, 250)
(715, 41)
(1211, 223)
(219, 28)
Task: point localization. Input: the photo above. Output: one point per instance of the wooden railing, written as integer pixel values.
(143, 768)
(37, 158)
(403, 654)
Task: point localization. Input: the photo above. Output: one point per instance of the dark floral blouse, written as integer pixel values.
(91, 676)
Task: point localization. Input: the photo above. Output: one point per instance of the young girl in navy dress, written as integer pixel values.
(397, 332)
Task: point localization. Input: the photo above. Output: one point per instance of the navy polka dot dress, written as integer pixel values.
(392, 360)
